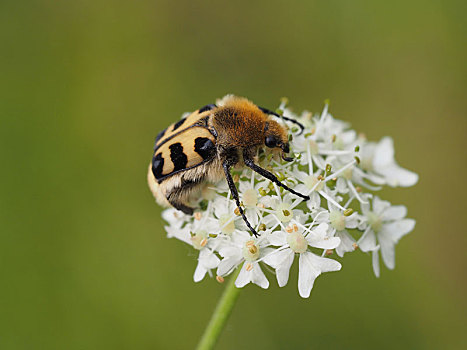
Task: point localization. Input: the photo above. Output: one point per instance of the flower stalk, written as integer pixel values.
(221, 314)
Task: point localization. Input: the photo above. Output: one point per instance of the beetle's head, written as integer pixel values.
(275, 136)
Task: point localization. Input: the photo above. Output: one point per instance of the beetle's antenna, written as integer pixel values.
(267, 111)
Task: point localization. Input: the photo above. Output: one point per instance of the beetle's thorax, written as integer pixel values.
(239, 126)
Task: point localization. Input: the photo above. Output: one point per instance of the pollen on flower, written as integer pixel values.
(237, 211)
(220, 279)
(198, 215)
(297, 242)
(291, 228)
(250, 251)
(248, 266)
(199, 239)
(355, 246)
(329, 252)
(284, 212)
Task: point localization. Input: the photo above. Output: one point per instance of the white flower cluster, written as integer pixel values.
(339, 170)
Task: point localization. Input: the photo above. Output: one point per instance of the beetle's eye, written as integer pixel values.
(270, 141)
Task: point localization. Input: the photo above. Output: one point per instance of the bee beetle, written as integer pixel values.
(205, 145)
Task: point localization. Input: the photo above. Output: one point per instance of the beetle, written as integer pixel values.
(208, 143)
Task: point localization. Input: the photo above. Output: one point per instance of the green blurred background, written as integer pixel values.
(86, 85)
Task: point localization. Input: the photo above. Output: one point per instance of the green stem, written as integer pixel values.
(221, 314)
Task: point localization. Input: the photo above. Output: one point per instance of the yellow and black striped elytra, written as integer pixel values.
(205, 145)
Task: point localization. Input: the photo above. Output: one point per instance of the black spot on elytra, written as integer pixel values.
(206, 108)
(177, 156)
(204, 147)
(179, 124)
(157, 165)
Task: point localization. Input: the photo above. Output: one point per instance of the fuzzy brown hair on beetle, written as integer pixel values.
(204, 147)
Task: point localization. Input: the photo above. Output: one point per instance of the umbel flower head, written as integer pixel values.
(339, 169)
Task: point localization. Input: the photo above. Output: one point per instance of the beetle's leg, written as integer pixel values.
(180, 206)
(270, 176)
(267, 111)
(226, 165)
(176, 194)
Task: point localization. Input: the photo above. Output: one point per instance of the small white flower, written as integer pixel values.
(379, 159)
(207, 259)
(310, 265)
(339, 221)
(224, 212)
(247, 250)
(385, 224)
(283, 210)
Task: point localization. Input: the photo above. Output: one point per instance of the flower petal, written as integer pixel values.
(395, 212)
(200, 272)
(276, 258)
(387, 250)
(352, 221)
(326, 243)
(367, 242)
(398, 229)
(208, 259)
(314, 202)
(258, 276)
(384, 153)
(283, 270)
(310, 267)
(325, 264)
(398, 176)
(227, 265)
(277, 238)
(306, 275)
(379, 205)
(375, 260)
(243, 278)
(347, 243)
